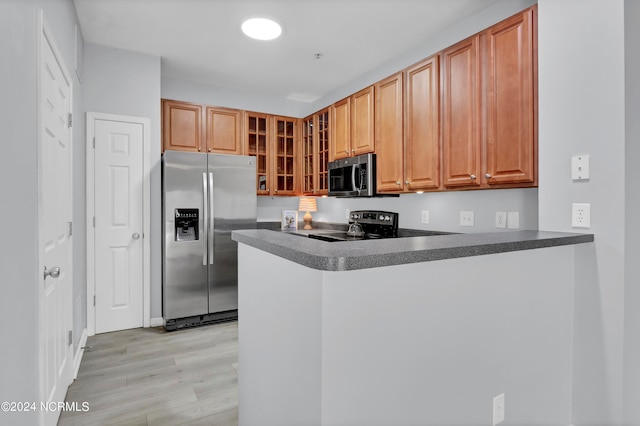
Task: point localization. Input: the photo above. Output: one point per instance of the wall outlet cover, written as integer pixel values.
(513, 220)
(424, 218)
(581, 215)
(498, 409)
(580, 167)
(466, 218)
(501, 219)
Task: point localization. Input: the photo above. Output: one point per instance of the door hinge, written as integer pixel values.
(70, 230)
(70, 119)
(94, 143)
(94, 221)
(94, 300)
(70, 337)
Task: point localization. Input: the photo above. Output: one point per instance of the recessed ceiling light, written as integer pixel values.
(261, 28)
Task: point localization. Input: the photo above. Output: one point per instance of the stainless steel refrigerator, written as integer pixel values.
(204, 198)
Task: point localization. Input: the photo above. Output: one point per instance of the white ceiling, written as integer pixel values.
(201, 40)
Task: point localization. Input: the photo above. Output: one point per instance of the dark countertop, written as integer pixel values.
(353, 255)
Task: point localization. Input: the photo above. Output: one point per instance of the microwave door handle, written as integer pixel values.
(353, 177)
(205, 218)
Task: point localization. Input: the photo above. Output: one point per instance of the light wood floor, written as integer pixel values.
(148, 376)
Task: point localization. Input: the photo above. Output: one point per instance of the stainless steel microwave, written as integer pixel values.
(353, 177)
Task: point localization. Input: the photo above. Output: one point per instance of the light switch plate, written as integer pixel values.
(466, 218)
(513, 220)
(580, 167)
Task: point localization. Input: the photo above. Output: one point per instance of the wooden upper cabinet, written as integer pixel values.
(511, 147)
(257, 134)
(363, 121)
(353, 125)
(322, 138)
(461, 102)
(224, 130)
(490, 106)
(285, 151)
(308, 157)
(341, 120)
(389, 134)
(181, 126)
(315, 154)
(422, 126)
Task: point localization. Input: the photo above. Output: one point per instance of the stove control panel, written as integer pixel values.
(373, 217)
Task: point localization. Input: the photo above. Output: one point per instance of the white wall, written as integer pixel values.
(128, 83)
(582, 101)
(189, 91)
(429, 343)
(21, 276)
(444, 208)
(631, 407)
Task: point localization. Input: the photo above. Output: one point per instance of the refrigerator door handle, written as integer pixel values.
(211, 221)
(205, 215)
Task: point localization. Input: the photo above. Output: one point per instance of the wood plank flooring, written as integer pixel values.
(148, 376)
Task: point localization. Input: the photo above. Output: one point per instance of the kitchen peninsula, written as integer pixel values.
(423, 330)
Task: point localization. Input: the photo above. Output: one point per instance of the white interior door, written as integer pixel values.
(54, 229)
(118, 195)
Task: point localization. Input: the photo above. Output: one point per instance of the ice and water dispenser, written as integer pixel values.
(186, 224)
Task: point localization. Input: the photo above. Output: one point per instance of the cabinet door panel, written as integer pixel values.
(308, 157)
(181, 126)
(224, 130)
(510, 101)
(341, 142)
(362, 122)
(461, 101)
(284, 153)
(389, 134)
(257, 144)
(322, 138)
(422, 145)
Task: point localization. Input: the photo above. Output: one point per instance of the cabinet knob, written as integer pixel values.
(406, 182)
(209, 149)
(472, 177)
(199, 149)
(487, 175)
(353, 150)
(398, 183)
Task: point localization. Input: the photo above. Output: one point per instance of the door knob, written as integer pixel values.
(53, 272)
(135, 235)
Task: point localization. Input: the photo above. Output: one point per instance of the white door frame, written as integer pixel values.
(146, 215)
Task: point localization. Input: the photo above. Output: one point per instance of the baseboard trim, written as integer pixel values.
(156, 322)
(77, 359)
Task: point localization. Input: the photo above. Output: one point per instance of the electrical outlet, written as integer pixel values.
(466, 218)
(513, 220)
(501, 219)
(498, 409)
(581, 215)
(425, 216)
(347, 213)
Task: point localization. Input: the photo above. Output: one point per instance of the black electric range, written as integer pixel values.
(375, 225)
